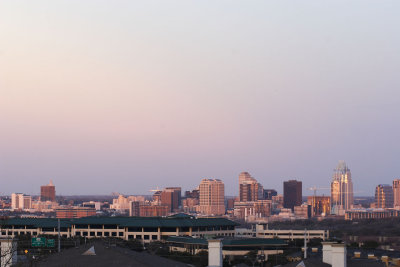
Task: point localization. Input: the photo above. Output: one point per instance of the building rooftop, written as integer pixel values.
(105, 255)
(230, 241)
(124, 221)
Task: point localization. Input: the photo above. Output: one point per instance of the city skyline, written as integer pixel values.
(124, 96)
(245, 179)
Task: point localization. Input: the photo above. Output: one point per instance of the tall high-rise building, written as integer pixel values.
(320, 205)
(245, 176)
(396, 193)
(249, 188)
(48, 192)
(20, 201)
(171, 197)
(292, 194)
(341, 189)
(212, 197)
(384, 196)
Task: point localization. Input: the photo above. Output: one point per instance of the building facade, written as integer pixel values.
(252, 210)
(269, 193)
(320, 205)
(357, 214)
(261, 230)
(342, 198)
(384, 196)
(396, 193)
(20, 201)
(48, 192)
(171, 197)
(74, 212)
(212, 197)
(144, 229)
(153, 210)
(292, 194)
(249, 188)
(134, 208)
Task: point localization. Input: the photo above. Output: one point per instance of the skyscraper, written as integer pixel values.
(292, 194)
(320, 205)
(171, 197)
(396, 193)
(341, 189)
(249, 188)
(48, 192)
(212, 197)
(384, 196)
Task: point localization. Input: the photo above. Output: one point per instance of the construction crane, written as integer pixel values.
(315, 188)
(155, 190)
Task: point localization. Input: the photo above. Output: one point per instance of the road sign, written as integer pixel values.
(38, 242)
(50, 243)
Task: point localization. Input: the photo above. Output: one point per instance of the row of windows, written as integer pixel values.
(130, 229)
(119, 234)
(136, 229)
(4, 233)
(224, 234)
(107, 234)
(144, 237)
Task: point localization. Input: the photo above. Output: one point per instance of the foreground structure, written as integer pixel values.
(229, 246)
(262, 231)
(144, 228)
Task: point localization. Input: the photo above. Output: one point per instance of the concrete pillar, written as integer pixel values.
(214, 253)
(339, 255)
(327, 252)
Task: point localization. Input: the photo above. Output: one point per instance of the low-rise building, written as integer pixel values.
(356, 214)
(262, 231)
(143, 228)
(74, 212)
(230, 246)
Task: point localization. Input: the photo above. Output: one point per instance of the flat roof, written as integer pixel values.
(122, 221)
(230, 241)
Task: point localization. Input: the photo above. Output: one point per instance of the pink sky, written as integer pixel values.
(127, 96)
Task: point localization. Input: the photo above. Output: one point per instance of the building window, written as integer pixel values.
(150, 229)
(138, 237)
(130, 236)
(92, 233)
(154, 237)
(121, 234)
(146, 237)
(134, 229)
(106, 233)
(98, 233)
(85, 233)
(168, 229)
(114, 233)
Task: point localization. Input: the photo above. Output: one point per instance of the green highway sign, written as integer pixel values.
(38, 242)
(50, 243)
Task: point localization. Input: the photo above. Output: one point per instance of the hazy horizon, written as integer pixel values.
(125, 96)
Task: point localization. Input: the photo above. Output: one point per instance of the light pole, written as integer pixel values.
(59, 237)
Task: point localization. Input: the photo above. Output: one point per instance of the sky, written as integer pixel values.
(127, 96)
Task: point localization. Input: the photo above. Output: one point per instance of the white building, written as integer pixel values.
(20, 201)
